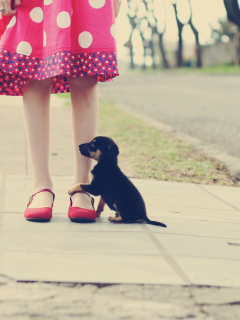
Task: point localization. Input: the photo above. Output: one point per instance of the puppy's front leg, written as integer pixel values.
(90, 188)
(77, 187)
(100, 207)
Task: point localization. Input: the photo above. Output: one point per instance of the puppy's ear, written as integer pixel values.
(112, 151)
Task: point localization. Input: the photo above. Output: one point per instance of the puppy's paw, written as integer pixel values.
(115, 219)
(98, 213)
(76, 187)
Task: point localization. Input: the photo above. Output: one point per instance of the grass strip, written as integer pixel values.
(149, 153)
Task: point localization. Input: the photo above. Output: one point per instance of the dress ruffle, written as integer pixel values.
(16, 69)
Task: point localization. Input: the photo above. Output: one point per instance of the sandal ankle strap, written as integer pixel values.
(42, 190)
(92, 199)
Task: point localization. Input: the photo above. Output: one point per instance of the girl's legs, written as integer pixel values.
(85, 105)
(36, 102)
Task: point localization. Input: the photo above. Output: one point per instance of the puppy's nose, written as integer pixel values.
(83, 149)
(81, 146)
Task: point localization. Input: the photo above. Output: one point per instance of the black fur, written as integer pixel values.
(117, 191)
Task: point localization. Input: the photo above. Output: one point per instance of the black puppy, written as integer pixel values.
(116, 190)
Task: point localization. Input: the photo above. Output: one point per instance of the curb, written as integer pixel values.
(231, 163)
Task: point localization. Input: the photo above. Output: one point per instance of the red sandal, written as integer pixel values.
(77, 214)
(39, 214)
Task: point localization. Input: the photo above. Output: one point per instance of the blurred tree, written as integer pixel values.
(129, 44)
(233, 15)
(142, 17)
(196, 35)
(159, 28)
(233, 11)
(225, 28)
(180, 24)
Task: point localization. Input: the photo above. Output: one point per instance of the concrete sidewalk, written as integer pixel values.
(193, 250)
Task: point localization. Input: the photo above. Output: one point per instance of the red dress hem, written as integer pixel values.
(16, 69)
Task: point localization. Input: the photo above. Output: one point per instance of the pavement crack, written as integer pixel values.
(167, 256)
(198, 305)
(7, 277)
(213, 195)
(234, 244)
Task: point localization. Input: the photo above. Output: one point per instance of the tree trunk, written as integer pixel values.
(151, 45)
(180, 26)
(163, 53)
(198, 47)
(233, 14)
(129, 43)
(233, 11)
(236, 42)
(180, 46)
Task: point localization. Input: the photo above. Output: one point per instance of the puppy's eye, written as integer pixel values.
(92, 146)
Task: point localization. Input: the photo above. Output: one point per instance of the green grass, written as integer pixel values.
(64, 95)
(222, 69)
(215, 70)
(225, 69)
(149, 153)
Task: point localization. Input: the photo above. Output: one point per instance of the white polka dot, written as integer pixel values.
(96, 4)
(47, 2)
(24, 48)
(113, 31)
(36, 14)
(44, 38)
(85, 39)
(63, 19)
(12, 22)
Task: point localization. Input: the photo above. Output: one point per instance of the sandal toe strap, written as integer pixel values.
(42, 190)
(92, 199)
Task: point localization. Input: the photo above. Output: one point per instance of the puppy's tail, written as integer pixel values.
(155, 223)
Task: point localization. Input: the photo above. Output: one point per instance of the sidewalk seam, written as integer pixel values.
(167, 256)
(216, 197)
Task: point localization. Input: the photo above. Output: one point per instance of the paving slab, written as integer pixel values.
(189, 251)
(199, 228)
(60, 222)
(226, 216)
(230, 196)
(78, 242)
(88, 268)
(210, 271)
(198, 246)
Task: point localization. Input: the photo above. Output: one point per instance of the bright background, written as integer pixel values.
(205, 13)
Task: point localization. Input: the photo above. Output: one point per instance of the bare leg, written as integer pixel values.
(85, 105)
(36, 102)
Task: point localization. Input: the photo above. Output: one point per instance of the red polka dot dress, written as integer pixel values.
(58, 38)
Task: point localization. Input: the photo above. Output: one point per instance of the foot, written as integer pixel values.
(81, 200)
(43, 199)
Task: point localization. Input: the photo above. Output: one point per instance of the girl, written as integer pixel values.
(53, 46)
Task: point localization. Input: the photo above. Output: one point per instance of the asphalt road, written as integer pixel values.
(203, 106)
